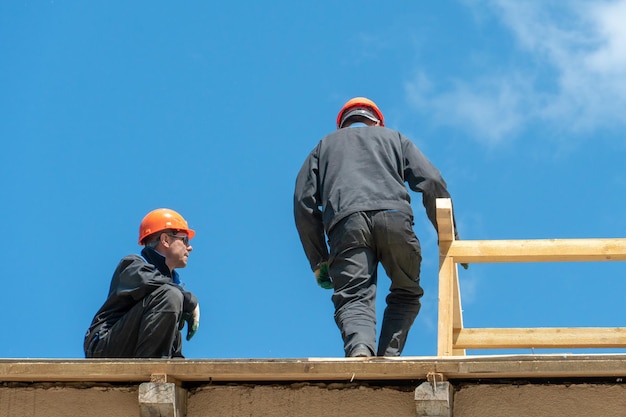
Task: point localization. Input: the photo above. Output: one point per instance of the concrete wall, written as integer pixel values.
(62, 400)
(571, 400)
(318, 400)
(300, 401)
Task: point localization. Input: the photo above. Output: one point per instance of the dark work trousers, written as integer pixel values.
(357, 244)
(148, 330)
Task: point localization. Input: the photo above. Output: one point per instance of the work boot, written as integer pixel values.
(360, 351)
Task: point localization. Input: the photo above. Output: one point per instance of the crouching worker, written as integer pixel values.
(147, 307)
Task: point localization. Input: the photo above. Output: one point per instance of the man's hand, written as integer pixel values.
(321, 276)
(193, 321)
(465, 266)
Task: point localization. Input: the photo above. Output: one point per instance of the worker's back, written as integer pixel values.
(362, 169)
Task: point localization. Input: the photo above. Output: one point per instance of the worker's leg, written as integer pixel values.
(148, 330)
(353, 270)
(400, 255)
(158, 332)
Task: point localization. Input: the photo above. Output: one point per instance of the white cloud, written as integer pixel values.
(580, 44)
(611, 57)
(491, 108)
(584, 43)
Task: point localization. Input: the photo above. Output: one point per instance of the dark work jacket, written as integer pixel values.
(134, 278)
(360, 169)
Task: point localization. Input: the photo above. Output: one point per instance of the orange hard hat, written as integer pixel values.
(359, 103)
(163, 219)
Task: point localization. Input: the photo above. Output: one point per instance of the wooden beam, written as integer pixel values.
(457, 311)
(445, 222)
(556, 337)
(446, 307)
(540, 250)
(162, 378)
(447, 279)
(313, 369)
(450, 315)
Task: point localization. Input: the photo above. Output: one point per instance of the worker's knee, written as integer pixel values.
(167, 298)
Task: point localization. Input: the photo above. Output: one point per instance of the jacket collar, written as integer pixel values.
(155, 258)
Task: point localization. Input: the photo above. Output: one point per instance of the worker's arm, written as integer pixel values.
(136, 278)
(423, 177)
(307, 213)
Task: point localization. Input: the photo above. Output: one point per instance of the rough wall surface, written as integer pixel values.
(580, 400)
(319, 400)
(44, 400)
(300, 400)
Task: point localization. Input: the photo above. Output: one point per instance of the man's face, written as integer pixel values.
(177, 250)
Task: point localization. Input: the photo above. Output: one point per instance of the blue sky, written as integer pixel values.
(111, 109)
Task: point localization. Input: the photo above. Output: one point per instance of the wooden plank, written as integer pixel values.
(313, 369)
(556, 337)
(452, 252)
(162, 378)
(457, 312)
(447, 278)
(445, 222)
(540, 250)
(446, 302)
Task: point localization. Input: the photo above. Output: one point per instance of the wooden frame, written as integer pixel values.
(454, 339)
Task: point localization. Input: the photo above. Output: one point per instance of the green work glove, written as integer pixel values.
(193, 321)
(465, 266)
(321, 276)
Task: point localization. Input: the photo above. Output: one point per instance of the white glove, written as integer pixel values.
(193, 321)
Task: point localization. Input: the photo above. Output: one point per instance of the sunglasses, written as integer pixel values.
(184, 238)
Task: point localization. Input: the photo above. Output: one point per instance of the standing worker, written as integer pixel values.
(147, 306)
(351, 187)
